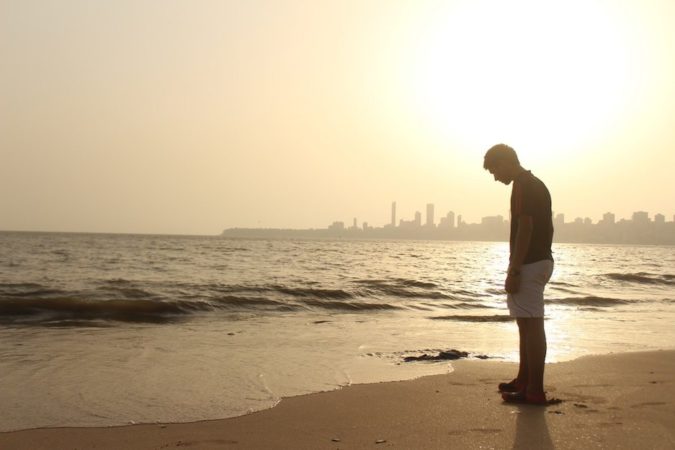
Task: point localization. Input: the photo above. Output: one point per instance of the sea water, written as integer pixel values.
(102, 329)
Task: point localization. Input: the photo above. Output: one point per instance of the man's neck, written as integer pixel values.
(518, 172)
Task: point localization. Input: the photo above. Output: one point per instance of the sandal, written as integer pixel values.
(511, 386)
(525, 398)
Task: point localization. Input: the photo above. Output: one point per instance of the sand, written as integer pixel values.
(612, 401)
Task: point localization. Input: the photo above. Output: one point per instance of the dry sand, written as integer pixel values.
(612, 401)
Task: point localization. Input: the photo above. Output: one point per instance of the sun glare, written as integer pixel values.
(533, 74)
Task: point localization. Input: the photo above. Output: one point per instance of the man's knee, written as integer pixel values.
(530, 324)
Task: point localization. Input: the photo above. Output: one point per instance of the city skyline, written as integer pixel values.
(608, 218)
(639, 229)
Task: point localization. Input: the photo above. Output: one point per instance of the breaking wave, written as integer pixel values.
(350, 306)
(401, 288)
(54, 309)
(589, 301)
(128, 301)
(643, 278)
(474, 318)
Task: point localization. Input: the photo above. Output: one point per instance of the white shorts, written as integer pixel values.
(529, 300)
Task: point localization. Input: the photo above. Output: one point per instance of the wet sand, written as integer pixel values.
(612, 401)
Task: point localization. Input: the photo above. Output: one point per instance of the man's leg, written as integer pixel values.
(523, 367)
(535, 347)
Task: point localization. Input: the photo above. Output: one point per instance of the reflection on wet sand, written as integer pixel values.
(532, 429)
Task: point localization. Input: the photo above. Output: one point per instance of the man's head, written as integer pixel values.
(502, 162)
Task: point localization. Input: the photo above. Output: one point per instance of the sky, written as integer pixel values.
(188, 117)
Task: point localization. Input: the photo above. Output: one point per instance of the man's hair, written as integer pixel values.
(500, 153)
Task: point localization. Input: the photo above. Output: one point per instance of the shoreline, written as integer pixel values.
(620, 400)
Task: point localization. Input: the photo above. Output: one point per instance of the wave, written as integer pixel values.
(494, 291)
(313, 292)
(561, 283)
(402, 288)
(468, 305)
(128, 301)
(234, 301)
(275, 289)
(234, 250)
(29, 290)
(36, 310)
(416, 283)
(589, 301)
(350, 306)
(565, 290)
(459, 305)
(473, 318)
(9, 286)
(55, 309)
(127, 292)
(643, 278)
(116, 282)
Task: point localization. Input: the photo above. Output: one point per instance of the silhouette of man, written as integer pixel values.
(530, 268)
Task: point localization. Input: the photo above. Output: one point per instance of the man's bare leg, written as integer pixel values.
(523, 367)
(536, 354)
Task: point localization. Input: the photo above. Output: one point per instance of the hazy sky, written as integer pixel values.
(193, 116)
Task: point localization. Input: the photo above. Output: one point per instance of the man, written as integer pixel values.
(530, 268)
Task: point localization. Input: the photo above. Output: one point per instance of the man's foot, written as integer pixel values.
(525, 397)
(511, 386)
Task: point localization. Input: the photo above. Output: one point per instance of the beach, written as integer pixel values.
(223, 343)
(336, 225)
(624, 400)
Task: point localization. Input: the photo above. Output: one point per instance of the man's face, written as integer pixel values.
(500, 172)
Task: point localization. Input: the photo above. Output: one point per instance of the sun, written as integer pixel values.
(535, 75)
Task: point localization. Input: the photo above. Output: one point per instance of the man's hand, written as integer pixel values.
(512, 283)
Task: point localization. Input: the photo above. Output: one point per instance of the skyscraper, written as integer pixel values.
(641, 217)
(393, 214)
(430, 215)
(451, 219)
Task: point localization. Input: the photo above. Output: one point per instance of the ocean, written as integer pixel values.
(104, 329)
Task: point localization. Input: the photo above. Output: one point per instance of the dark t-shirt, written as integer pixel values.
(530, 197)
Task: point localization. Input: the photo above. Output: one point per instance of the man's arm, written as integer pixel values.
(522, 244)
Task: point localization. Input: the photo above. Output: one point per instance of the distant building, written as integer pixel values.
(393, 214)
(337, 226)
(418, 219)
(660, 219)
(641, 217)
(559, 220)
(448, 221)
(492, 221)
(430, 215)
(608, 219)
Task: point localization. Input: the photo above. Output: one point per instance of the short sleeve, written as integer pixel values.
(530, 204)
